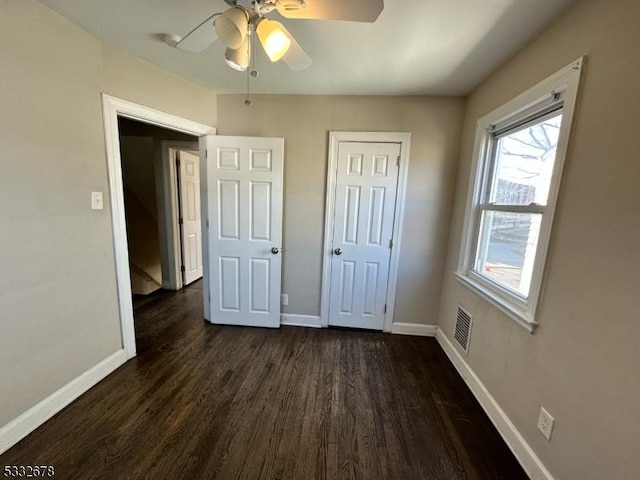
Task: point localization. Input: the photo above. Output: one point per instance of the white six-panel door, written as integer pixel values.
(244, 212)
(366, 184)
(191, 230)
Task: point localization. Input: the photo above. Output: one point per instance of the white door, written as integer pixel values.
(190, 220)
(244, 213)
(366, 184)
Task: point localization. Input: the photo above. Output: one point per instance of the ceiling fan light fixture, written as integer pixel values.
(273, 38)
(232, 27)
(238, 58)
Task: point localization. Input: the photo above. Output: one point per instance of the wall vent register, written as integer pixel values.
(463, 328)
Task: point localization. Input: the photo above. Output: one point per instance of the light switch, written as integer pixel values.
(96, 201)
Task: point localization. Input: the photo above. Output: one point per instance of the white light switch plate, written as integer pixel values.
(96, 201)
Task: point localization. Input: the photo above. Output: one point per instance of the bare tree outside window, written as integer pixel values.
(522, 171)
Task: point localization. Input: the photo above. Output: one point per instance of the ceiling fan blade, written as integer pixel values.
(296, 58)
(347, 10)
(201, 37)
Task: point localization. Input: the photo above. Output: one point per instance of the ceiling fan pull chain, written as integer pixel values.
(251, 71)
(247, 100)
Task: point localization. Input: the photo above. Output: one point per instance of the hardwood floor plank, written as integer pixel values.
(202, 401)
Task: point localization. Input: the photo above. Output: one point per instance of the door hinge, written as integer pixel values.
(206, 153)
(385, 308)
(207, 223)
(178, 162)
(182, 269)
(180, 221)
(398, 163)
(391, 243)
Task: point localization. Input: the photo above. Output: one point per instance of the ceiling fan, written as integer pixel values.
(238, 26)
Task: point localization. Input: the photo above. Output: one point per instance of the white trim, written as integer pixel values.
(404, 139)
(17, 429)
(204, 214)
(566, 82)
(525, 455)
(170, 190)
(112, 108)
(293, 320)
(414, 329)
(519, 315)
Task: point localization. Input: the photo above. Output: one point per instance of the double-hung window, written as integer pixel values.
(517, 165)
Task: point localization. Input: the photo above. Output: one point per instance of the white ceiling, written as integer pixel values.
(416, 47)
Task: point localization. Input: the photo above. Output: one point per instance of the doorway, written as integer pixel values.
(157, 198)
(112, 109)
(189, 222)
(181, 162)
(366, 183)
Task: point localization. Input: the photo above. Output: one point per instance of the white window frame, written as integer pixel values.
(560, 88)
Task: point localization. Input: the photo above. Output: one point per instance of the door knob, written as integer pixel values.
(338, 251)
(275, 250)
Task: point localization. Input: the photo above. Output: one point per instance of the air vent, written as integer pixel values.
(463, 328)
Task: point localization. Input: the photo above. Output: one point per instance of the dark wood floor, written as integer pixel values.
(203, 402)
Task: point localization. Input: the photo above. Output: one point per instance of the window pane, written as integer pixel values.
(524, 163)
(507, 248)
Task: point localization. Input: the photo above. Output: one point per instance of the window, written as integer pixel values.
(518, 159)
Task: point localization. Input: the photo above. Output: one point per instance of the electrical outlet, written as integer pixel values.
(284, 299)
(545, 423)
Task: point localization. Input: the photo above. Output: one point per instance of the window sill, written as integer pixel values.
(520, 316)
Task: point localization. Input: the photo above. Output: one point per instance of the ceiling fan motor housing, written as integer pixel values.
(262, 7)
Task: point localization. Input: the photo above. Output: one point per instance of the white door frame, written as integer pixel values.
(113, 107)
(404, 139)
(170, 189)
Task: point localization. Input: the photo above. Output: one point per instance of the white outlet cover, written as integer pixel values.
(545, 423)
(284, 299)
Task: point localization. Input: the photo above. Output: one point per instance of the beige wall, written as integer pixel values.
(304, 122)
(140, 206)
(136, 157)
(582, 363)
(58, 303)
(125, 76)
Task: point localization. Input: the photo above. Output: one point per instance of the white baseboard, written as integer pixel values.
(17, 429)
(530, 462)
(414, 329)
(294, 320)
